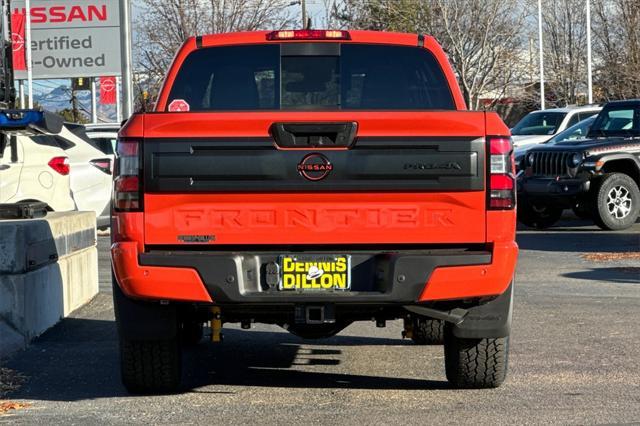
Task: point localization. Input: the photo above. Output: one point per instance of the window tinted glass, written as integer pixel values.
(539, 123)
(54, 141)
(229, 78)
(617, 121)
(363, 77)
(310, 82)
(106, 145)
(577, 131)
(392, 77)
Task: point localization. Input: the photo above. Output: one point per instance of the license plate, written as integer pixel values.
(315, 272)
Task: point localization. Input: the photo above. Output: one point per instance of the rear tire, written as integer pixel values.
(150, 352)
(475, 363)
(615, 202)
(150, 367)
(427, 331)
(538, 216)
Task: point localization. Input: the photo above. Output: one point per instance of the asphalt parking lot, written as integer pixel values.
(574, 358)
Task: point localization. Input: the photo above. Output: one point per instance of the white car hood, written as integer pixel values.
(529, 140)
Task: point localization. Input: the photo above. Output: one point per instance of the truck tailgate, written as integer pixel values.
(409, 178)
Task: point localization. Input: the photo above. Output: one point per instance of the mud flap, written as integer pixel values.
(137, 320)
(489, 320)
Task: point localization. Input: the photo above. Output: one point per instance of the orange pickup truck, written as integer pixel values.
(310, 179)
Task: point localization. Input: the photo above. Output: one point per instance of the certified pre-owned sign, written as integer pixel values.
(72, 38)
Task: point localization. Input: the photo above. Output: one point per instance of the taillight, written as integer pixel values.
(60, 165)
(102, 164)
(502, 188)
(309, 35)
(127, 176)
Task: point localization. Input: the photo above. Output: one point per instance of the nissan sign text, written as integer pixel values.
(72, 38)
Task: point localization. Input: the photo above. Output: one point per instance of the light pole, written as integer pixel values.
(125, 57)
(27, 42)
(589, 71)
(303, 4)
(304, 13)
(541, 54)
(94, 101)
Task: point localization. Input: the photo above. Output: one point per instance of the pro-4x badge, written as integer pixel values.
(198, 239)
(315, 167)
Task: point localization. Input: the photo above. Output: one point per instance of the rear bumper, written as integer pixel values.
(404, 277)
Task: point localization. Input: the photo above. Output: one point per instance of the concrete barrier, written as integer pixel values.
(48, 268)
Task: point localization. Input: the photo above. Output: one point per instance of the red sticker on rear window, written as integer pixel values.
(178, 105)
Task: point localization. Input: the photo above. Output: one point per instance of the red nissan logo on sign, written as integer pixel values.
(178, 105)
(108, 85)
(17, 42)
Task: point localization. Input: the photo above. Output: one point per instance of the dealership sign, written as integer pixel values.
(70, 38)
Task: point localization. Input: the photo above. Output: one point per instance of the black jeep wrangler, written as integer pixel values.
(597, 177)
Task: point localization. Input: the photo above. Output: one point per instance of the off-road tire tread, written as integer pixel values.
(427, 331)
(529, 217)
(150, 367)
(598, 198)
(476, 363)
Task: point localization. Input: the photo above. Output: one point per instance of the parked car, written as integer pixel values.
(598, 176)
(34, 168)
(575, 132)
(91, 172)
(363, 188)
(104, 135)
(539, 126)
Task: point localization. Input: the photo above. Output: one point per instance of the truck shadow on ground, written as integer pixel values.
(264, 359)
(78, 360)
(568, 240)
(570, 223)
(618, 275)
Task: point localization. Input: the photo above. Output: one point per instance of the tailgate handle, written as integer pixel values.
(314, 135)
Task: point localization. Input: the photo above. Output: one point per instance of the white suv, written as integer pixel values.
(540, 126)
(90, 172)
(104, 135)
(34, 169)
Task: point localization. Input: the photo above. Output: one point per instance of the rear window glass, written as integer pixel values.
(106, 145)
(362, 77)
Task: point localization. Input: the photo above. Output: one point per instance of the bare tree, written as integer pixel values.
(248, 15)
(163, 26)
(485, 39)
(160, 30)
(565, 49)
(616, 26)
(390, 15)
(482, 37)
(328, 18)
